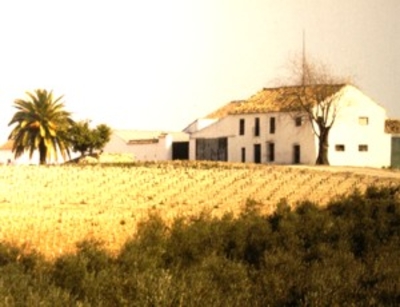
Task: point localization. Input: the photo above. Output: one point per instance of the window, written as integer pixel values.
(363, 147)
(298, 121)
(271, 152)
(272, 125)
(257, 126)
(363, 121)
(241, 127)
(243, 153)
(339, 147)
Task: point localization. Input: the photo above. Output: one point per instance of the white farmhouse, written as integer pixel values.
(149, 145)
(266, 129)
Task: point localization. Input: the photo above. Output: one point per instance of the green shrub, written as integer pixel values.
(343, 255)
(8, 254)
(85, 275)
(190, 241)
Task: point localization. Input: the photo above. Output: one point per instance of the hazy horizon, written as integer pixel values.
(160, 65)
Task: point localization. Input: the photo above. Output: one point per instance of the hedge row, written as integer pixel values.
(342, 255)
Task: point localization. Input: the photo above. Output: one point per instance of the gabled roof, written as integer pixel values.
(143, 137)
(225, 110)
(276, 99)
(392, 126)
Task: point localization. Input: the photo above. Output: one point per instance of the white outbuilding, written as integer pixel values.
(149, 145)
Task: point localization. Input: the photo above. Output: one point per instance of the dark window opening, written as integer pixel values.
(339, 147)
(257, 127)
(363, 120)
(363, 147)
(243, 154)
(298, 121)
(272, 125)
(241, 127)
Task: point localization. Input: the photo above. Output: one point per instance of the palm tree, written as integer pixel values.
(41, 121)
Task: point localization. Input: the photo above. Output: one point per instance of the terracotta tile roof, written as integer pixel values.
(7, 145)
(275, 100)
(225, 110)
(392, 126)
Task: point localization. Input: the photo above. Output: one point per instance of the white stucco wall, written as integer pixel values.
(159, 151)
(199, 124)
(349, 132)
(285, 137)
(118, 145)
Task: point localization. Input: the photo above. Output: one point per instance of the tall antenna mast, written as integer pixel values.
(303, 80)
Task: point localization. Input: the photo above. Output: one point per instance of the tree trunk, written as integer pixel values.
(323, 145)
(42, 153)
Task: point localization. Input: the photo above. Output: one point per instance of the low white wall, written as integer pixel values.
(159, 151)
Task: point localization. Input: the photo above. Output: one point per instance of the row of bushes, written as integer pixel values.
(344, 254)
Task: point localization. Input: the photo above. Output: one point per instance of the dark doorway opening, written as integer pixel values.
(395, 157)
(215, 149)
(257, 153)
(271, 152)
(296, 154)
(243, 154)
(180, 151)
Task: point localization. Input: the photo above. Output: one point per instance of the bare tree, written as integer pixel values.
(314, 96)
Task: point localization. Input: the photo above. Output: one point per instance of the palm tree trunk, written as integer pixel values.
(323, 145)
(42, 152)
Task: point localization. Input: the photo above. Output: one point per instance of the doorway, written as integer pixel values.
(257, 153)
(296, 154)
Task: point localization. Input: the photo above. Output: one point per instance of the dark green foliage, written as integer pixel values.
(84, 275)
(8, 254)
(343, 255)
(85, 140)
(25, 281)
(40, 123)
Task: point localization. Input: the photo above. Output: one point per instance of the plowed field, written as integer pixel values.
(50, 209)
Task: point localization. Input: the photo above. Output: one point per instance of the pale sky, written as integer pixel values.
(160, 64)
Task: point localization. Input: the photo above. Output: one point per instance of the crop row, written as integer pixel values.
(50, 209)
